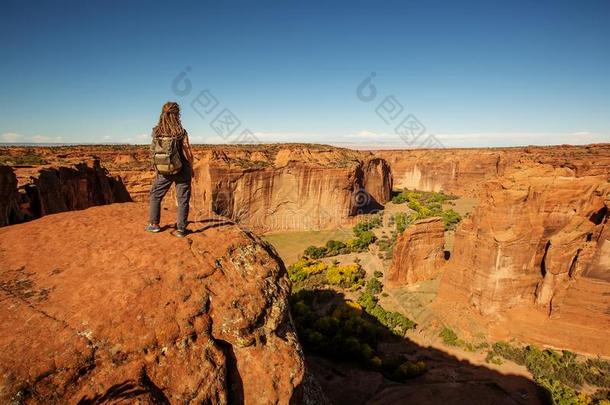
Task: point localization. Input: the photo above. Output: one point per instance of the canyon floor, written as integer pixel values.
(456, 376)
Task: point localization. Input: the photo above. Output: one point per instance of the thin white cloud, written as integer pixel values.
(12, 137)
(370, 140)
(363, 139)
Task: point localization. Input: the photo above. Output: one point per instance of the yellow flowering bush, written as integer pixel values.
(346, 276)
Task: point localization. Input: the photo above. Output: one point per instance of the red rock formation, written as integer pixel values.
(104, 312)
(298, 196)
(73, 188)
(537, 239)
(48, 190)
(454, 171)
(377, 180)
(269, 187)
(419, 253)
(8, 196)
(463, 171)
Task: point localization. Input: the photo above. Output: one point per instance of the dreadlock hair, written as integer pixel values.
(169, 121)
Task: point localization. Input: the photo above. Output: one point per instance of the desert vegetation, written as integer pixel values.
(363, 237)
(333, 326)
(314, 273)
(29, 159)
(338, 328)
(425, 204)
(563, 375)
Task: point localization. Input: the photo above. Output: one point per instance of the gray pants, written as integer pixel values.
(183, 194)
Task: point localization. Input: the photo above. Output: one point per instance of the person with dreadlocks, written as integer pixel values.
(173, 162)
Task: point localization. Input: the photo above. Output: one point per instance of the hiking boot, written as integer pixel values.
(180, 233)
(154, 228)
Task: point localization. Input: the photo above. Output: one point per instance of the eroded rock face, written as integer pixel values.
(59, 189)
(419, 253)
(39, 191)
(105, 312)
(454, 171)
(463, 171)
(377, 180)
(266, 188)
(288, 192)
(537, 231)
(8, 196)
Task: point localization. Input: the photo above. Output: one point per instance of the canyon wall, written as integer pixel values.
(296, 195)
(538, 240)
(463, 171)
(289, 188)
(95, 317)
(265, 188)
(419, 253)
(453, 171)
(39, 191)
(9, 210)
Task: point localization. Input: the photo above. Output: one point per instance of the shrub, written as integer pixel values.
(374, 286)
(362, 242)
(450, 218)
(373, 222)
(395, 321)
(402, 221)
(408, 370)
(368, 301)
(314, 252)
(449, 337)
(560, 373)
(345, 276)
(385, 245)
(335, 247)
(305, 268)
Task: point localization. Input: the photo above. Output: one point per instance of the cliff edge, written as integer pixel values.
(95, 310)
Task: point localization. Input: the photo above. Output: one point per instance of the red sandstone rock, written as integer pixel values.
(95, 309)
(8, 196)
(418, 254)
(538, 238)
(377, 180)
(268, 187)
(48, 190)
(463, 171)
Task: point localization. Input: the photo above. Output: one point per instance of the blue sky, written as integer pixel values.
(471, 73)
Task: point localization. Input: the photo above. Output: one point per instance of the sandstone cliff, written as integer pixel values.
(51, 189)
(419, 253)
(268, 187)
(538, 240)
(463, 171)
(291, 195)
(9, 210)
(104, 312)
(263, 187)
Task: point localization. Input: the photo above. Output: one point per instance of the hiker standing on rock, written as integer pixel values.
(172, 159)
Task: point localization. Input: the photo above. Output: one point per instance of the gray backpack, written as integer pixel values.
(166, 154)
